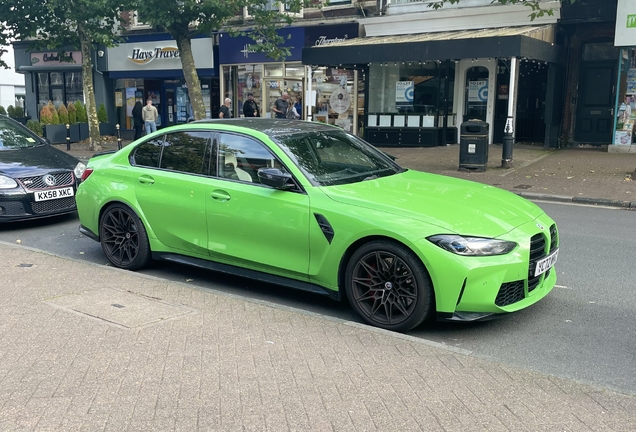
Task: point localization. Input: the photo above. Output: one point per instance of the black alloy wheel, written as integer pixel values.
(123, 238)
(389, 287)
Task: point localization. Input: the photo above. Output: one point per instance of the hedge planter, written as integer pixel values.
(75, 133)
(55, 133)
(105, 129)
(22, 120)
(83, 131)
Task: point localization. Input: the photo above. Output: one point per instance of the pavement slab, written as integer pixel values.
(243, 364)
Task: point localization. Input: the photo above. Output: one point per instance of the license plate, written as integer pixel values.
(53, 194)
(546, 263)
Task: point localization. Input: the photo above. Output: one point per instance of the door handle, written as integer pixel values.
(220, 195)
(146, 180)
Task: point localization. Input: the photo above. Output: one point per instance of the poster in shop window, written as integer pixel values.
(478, 91)
(404, 92)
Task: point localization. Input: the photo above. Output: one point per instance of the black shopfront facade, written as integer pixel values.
(420, 88)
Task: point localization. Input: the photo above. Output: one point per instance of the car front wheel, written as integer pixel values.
(123, 238)
(388, 286)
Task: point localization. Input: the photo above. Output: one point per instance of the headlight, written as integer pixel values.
(472, 246)
(79, 170)
(7, 183)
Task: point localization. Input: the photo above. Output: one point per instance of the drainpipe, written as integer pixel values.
(381, 7)
(509, 137)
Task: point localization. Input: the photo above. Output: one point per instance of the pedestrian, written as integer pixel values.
(299, 107)
(292, 114)
(225, 112)
(250, 108)
(281, 106)
(138, 119)
(150, 115)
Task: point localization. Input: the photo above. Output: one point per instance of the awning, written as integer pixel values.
(533, 42)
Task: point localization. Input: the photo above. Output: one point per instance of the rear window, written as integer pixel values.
(15, 136)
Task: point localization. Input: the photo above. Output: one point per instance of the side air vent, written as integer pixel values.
(325, 227)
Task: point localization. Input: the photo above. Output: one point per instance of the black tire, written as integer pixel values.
(124, 239)
(389, 286)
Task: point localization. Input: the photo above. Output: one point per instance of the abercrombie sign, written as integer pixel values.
(240, 49)
(328, 34)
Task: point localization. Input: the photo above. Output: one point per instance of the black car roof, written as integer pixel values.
(274, 127)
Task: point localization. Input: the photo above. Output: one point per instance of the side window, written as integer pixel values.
(148, 154)
(187, 152)
(240, 157)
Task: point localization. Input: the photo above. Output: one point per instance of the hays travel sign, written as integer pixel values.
(158, 55)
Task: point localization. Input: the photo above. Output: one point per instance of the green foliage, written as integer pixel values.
(35, 126)
(55, 119)
(62, 113)
(535, 6)
(11, 111)
(2, 110)
(46, 117)
(72, 113)
(102, 115)
(80, 111)
(19, 112)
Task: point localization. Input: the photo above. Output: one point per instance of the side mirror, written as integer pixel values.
(275, 178)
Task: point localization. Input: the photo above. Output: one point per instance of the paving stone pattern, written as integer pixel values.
(235, 364)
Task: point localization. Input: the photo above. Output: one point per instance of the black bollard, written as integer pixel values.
(68, 137)
(118, 137)
(508, 143)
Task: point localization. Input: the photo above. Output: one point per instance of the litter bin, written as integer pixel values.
(473, 146)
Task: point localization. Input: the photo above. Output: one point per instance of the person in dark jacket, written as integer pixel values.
(250, 109)
(138, 121)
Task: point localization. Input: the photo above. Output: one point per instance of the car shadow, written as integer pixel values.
(45, 222)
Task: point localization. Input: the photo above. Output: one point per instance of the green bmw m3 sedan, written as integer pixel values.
(312, 207)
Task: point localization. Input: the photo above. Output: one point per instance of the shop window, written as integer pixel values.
(333, 93)
(249, 80)
(59, 88)
(127, 93)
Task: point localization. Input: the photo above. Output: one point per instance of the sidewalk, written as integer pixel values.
(90, 347)
(588, 175)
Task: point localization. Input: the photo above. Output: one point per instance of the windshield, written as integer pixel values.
(333, 158)
(15, 136)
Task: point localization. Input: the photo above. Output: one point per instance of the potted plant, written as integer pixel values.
(55, 131)
(35, 126)
(105, 128)
(11, 111)
(82, 119)
(18, 115)
(2, 110)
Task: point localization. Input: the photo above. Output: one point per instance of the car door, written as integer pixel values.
(250, 224)
(171, 182)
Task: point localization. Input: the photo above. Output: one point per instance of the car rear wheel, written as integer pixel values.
(388, 286)
(123, 238)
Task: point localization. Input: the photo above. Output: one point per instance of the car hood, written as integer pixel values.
(455, 205)
(34, 161)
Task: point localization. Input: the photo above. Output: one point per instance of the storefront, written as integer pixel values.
(420, 88)
(51, 78)
(149, 67)
(625, 103)
(247, 72)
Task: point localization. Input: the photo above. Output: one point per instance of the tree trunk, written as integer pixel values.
(191, 77)
(94, 140)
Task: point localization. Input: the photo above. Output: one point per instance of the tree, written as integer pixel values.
(184, 19)
(59, 24)
(537, 9)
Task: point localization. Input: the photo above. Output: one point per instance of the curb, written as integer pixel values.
(578, 200)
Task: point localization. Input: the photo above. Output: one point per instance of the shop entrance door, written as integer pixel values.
(595, 107)
(168, 113)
